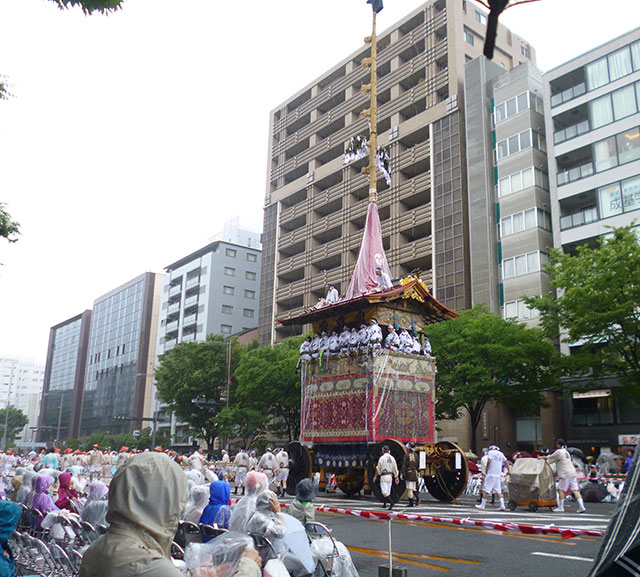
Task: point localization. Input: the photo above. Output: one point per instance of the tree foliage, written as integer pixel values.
(267, 383)
(599, 307)
(91, 6)
(482, 358)
(192, 379)
(9, 228)
(114, 442)
(15, 420)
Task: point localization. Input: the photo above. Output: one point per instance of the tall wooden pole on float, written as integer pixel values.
(372, 113)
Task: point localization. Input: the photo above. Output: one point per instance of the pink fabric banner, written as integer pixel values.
(371, 256)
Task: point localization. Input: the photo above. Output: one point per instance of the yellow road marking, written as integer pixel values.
(396, 557)
(418, 556)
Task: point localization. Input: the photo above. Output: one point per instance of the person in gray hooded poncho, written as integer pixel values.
(146, 497)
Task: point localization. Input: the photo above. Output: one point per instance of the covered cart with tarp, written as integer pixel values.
(531, 483)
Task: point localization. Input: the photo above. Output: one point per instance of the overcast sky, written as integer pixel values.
(131, 138)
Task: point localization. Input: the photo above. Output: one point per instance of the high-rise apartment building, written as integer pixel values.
(213, 290)
(21, 382)
(593, 133)
(315, 204)
(509, 220)
(64, 378)
(120, 357)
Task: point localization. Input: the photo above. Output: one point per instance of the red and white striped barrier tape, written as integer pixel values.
(564, 532)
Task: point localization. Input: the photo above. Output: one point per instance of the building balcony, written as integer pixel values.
(168, 345)
(326, 250)
(194, 282)
(291, 290)
(571, 132)
(173, 308)
(188, 338)
(575, 173)
(580, 218)
(189, 320)
(171, 327)
(293, 237)
(191, 301)
(293, 212)
(292, 263)
(175, 290)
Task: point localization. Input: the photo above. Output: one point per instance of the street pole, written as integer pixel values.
(372, 113)
(59, 420)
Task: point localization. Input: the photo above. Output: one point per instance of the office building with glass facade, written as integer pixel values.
(120, 357)
(64, 378)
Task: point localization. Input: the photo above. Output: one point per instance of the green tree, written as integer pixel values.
(15, 421)
(599, 307)
(267, 382)
(192, 379)
(9, 229)
(241, 422)
(483, 358)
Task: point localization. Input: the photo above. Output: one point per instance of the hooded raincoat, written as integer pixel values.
(65, 493)
(146, 496)
(95, 509)
(197, 502)
(217, 511)
(42, 501)
(9, 515)
(24, 494)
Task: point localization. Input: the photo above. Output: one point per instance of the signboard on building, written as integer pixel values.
(628, 439)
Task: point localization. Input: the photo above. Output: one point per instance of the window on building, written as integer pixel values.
(601, 111)
(518, 309)
(251, 257)
(250, 275)
(230, 252)
(229, 271)
(225, 329)
(249, 294)
(605, 154)
(631, 194)
(619, 63)
(227, 309)
(249, 313)
(523, 264)
(597, 74)
(228, 290)
(519, 142)
(628, 145)
(468, 37)
(480, 17)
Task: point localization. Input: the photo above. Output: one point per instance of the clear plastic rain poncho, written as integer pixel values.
(198, 499)
(255, 484)
(25, 492)
(286, 534)
(221, 554)
(95, 508)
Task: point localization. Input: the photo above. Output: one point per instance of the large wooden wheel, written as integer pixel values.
(450, 473)
(300, 465)
(398, 450)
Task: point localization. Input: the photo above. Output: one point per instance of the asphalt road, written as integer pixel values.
(426, 548)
